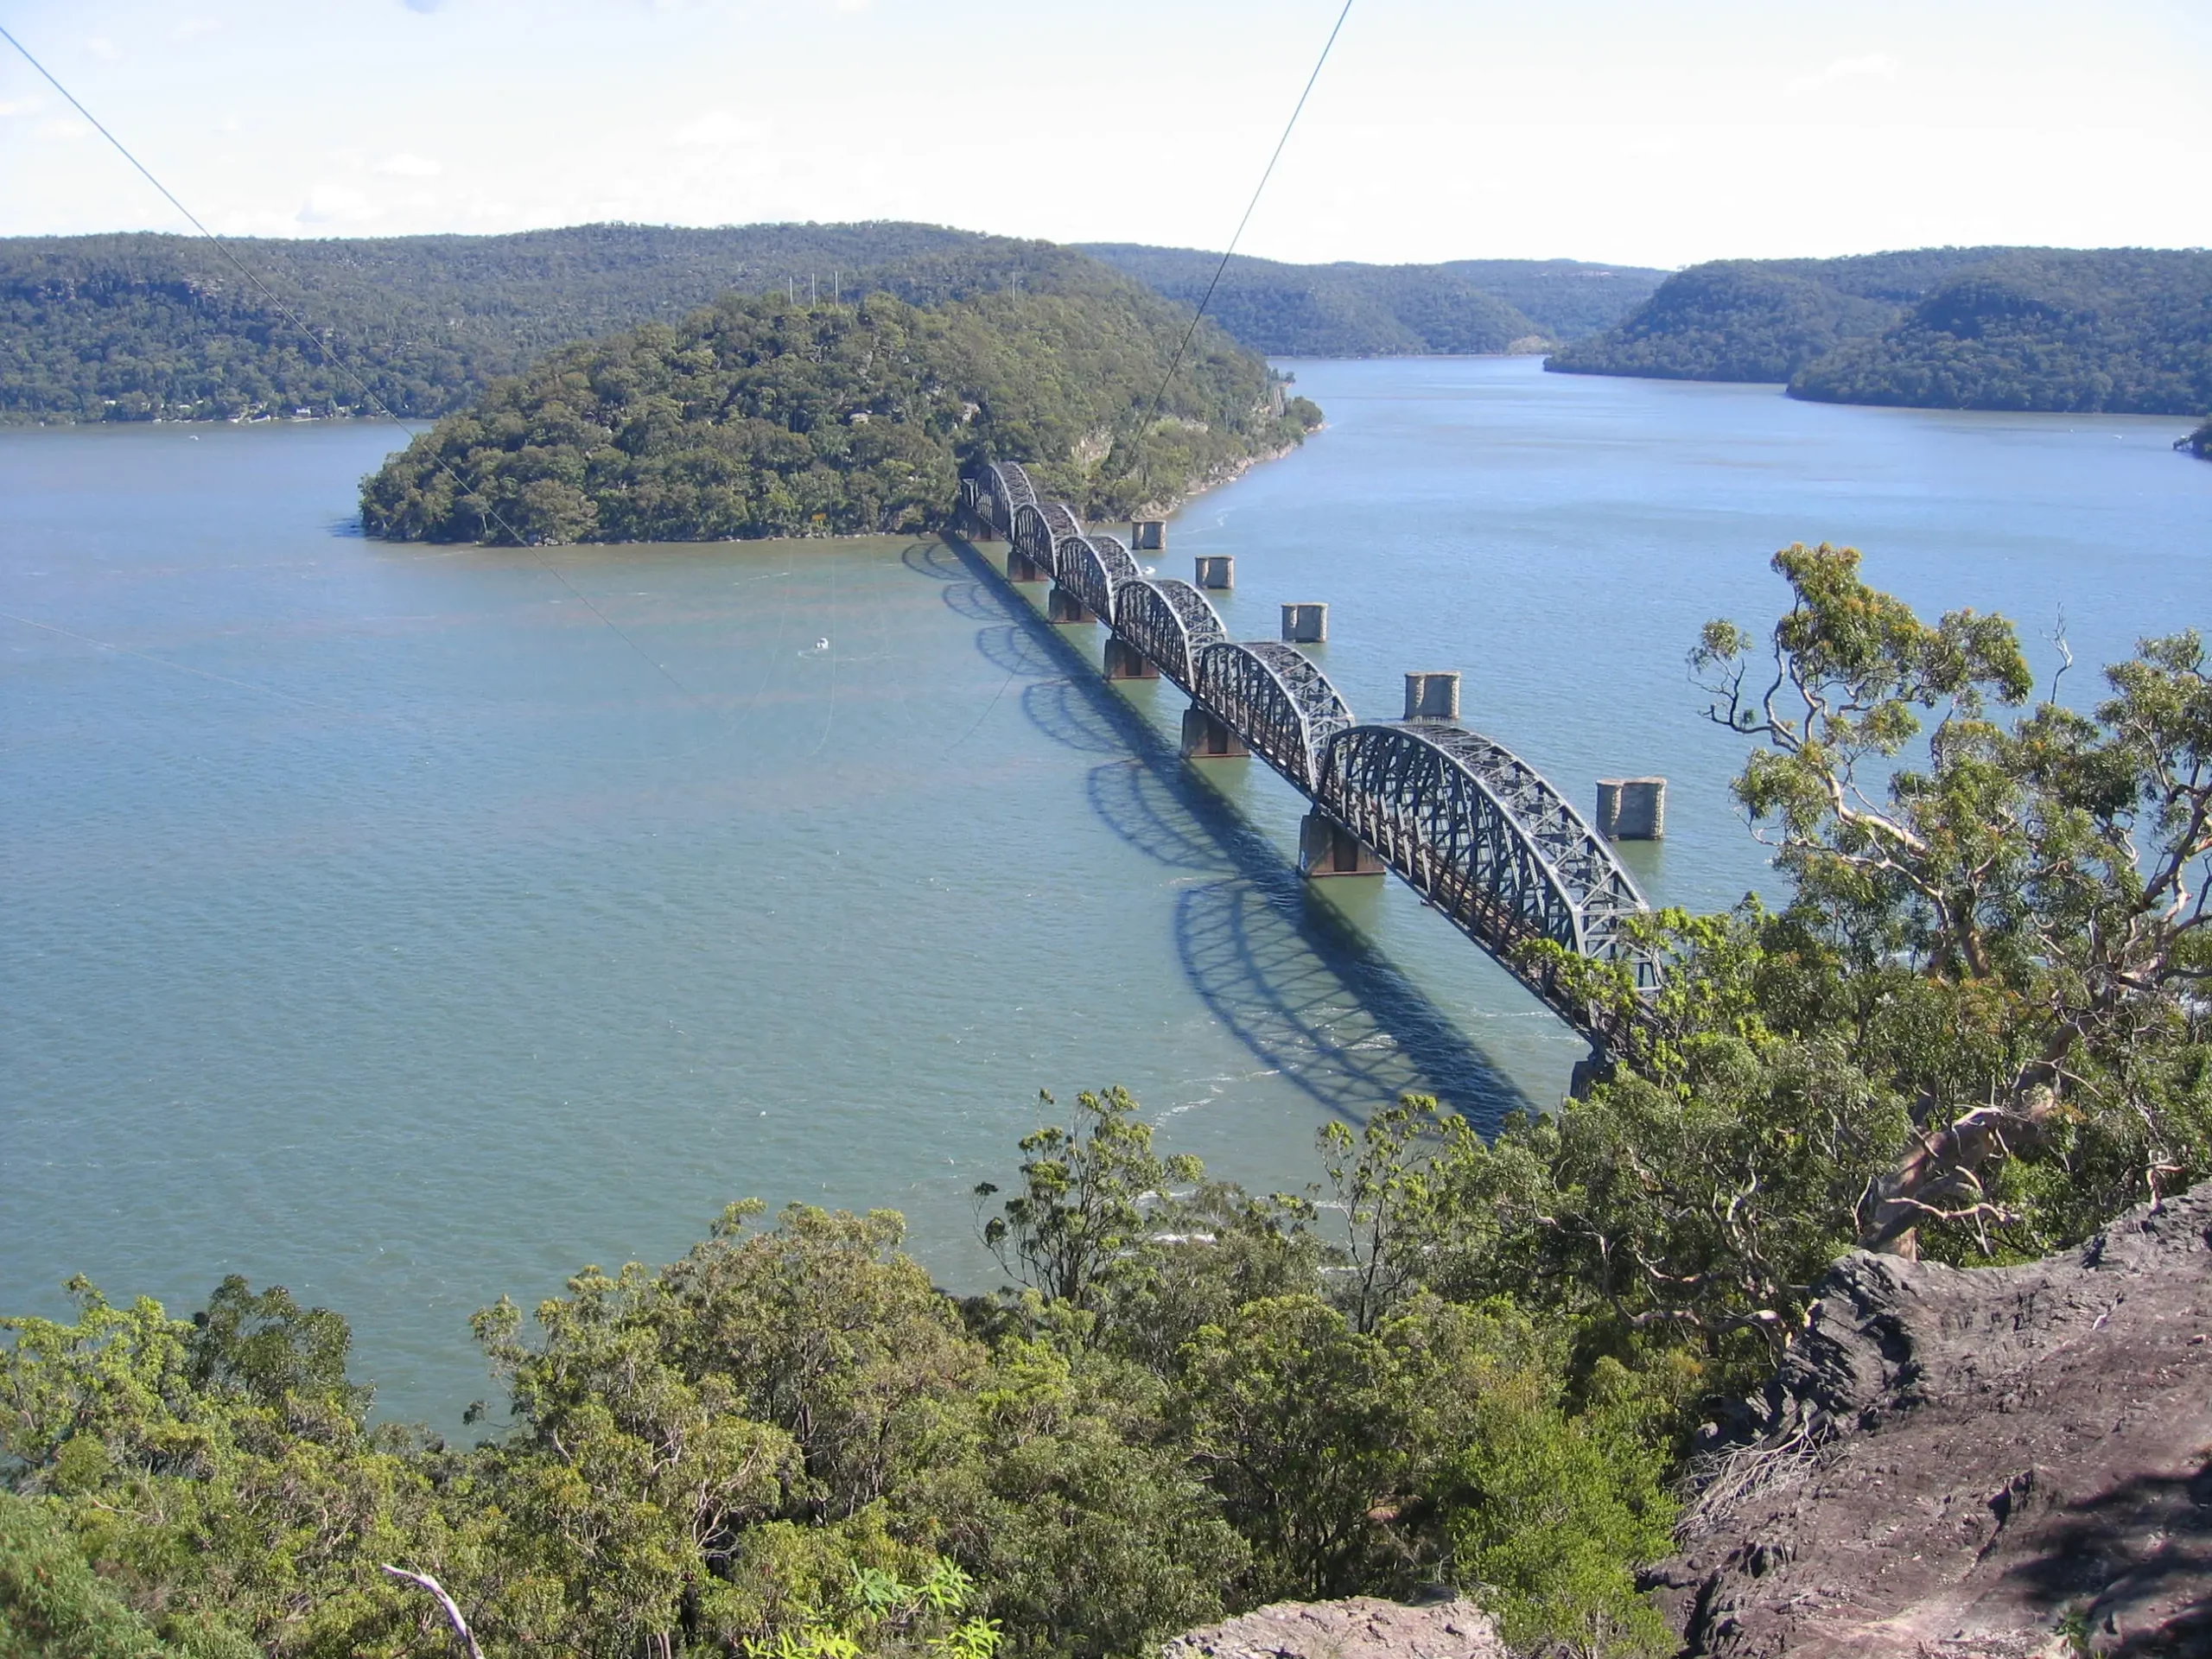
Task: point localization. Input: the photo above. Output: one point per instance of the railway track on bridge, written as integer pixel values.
(1480, 834)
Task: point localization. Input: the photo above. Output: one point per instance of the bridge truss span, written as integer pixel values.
(1484, 837)
(1095, 569)
(1474, 829)
(1170, 622)
(1282, 707)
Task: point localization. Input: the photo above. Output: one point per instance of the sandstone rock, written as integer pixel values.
(1361, 1628)
(1958, 1463)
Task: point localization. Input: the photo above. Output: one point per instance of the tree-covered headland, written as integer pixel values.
(1972, 1029)
(2119, 330)
(763, 416)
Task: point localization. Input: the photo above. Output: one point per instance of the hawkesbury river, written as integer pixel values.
(382, 923)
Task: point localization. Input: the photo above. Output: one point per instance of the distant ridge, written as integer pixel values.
(2123, 330)
(141, 327)
(1467, 306)
(149, 327)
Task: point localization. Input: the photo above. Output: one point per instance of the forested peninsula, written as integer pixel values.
(762, 415)
(2124, 331)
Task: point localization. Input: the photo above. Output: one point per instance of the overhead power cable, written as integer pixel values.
(368, 392)
(1267, 173)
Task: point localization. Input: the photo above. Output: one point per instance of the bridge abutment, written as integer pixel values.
(1063, 607)
(1206, 737)
(1326, 847)
(1125, 662)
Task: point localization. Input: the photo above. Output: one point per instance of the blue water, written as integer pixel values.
(383, 923)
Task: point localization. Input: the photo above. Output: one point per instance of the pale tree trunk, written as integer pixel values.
(424, 1582)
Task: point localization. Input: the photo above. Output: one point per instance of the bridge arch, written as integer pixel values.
(1485, 838)
(996, 491)
(1170, 622)
(1276, 701)
(1094, 569)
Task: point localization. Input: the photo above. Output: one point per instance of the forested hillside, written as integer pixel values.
(140, 327)
(1355, 311)
(1761, 320)
(130, 328)
(760, 417)
(1566, 298)
(2123, 330)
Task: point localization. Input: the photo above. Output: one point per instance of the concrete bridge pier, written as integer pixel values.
(1063, 607)
(1125, 662)
(1433, 697)
(1326, 847)
(1632, 809)
(1205, 737)
(1020, 567)
(1217, 571)
(1305, 624)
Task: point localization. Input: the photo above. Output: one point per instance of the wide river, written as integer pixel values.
(409, 925)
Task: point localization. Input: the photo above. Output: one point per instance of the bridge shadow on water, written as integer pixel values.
(1299, 985)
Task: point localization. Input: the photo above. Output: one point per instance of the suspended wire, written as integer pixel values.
(1199, 316)
(368, 392)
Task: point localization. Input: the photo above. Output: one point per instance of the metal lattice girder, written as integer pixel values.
(1060, 519)
(1485, 838)
(1274, 698)
(1095, 567)
(996, 491)
(1170, 622)
(1032, 538)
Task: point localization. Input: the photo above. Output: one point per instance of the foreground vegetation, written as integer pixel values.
(759, 416)
(1974, 1033)
(2199, 442)
(2118, 330)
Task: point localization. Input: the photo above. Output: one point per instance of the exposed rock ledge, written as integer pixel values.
(1363, 1628)
(1996, 1462)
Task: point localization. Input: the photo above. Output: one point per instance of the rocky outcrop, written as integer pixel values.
(1361, 1628)
(1993, 1463)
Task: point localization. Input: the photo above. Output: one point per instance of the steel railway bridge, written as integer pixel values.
(1479, 834)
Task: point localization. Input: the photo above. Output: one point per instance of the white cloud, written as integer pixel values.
(1870, 68)
(405, 165)
(17, 106)
(193, 27)
(102, 48)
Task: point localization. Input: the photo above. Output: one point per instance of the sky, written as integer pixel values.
(1655, 133)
